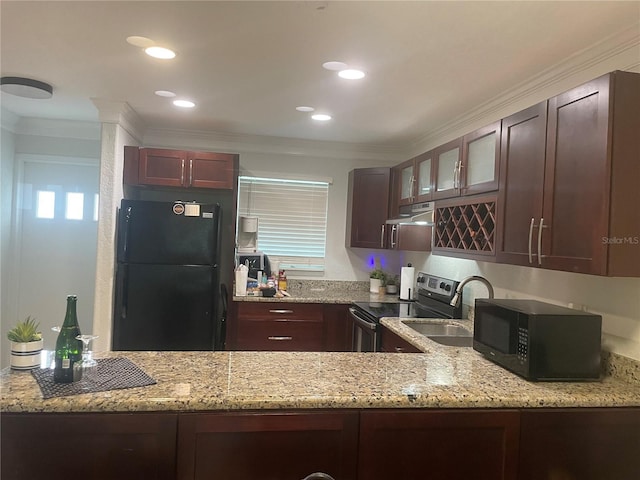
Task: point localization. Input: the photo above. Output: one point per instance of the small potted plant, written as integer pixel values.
(376, 279)
(26, 344)
(392, 283)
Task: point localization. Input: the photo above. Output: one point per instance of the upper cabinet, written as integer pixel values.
(446, 160)
(179, 168)
(414, 180)
(368, 207)
(571, 203)
(468, 165)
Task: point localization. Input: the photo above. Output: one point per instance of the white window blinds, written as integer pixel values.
(292, 219)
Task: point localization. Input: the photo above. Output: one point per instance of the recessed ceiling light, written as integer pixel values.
(142, 42)
(321, 117)
(334, 65)
(305, 109)
(184, 103)
(351, 74)
(160, 52)
(26, 87)
(164, 93)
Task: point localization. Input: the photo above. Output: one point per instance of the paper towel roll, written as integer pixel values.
(241, 281)
(407, 283)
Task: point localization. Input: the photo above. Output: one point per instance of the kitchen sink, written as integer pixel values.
(443, 333)
(439, 329)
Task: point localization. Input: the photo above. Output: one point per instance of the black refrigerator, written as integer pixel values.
(167, 288)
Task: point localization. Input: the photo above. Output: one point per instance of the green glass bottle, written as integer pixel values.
(68, 348)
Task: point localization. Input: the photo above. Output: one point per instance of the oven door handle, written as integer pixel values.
(361, 321)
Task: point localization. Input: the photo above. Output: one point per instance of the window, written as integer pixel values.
(75, 206)
(292, 219)
(46, 201)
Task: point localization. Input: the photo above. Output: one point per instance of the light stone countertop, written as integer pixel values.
(441, 377)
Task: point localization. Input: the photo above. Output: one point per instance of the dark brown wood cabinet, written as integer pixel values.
(582, 444)
(439, 445)
(364, 444)
(92, 446)
(392, 343)
(338, 328)
(413, 180)
(274, 445)
(521, 185)
(367, 207)
(279, 326)
(408, 237)
(179, 168)
(289, 326)
(573, 207)
(468, 165)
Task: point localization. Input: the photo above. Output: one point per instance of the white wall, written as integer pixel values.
(616, 299)
(7, 157)
(44, 140)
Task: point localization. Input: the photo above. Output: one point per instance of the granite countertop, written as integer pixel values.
(324, 291)
(441, 377)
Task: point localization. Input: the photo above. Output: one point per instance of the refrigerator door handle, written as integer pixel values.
(125, 242)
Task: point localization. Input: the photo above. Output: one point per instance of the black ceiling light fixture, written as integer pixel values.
(26, 87)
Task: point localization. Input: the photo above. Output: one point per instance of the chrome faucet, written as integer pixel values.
(456, 298)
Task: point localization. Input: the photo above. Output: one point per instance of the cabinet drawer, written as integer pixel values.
(279, 311)
(280, 334)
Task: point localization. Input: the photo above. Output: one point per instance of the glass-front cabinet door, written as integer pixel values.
(424, 175)
(480, 160)
(404, 184)
(447, 169)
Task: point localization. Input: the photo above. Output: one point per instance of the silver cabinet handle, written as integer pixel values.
(399, 349)
(279, 338)
(382, 236)
(542, 225)
(190, 172)
(413, 187)
(394, 233)
(455, 175)
(282, 312)
(460, 175)
(182, 173)
(530, 238)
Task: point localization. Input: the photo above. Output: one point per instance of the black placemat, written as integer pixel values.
(110, 374)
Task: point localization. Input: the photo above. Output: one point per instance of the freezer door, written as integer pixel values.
(171, 233)
(165, 307)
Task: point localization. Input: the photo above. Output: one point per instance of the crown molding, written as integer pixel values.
(240, 143)
(620, 51)
(120, 113)
(48, 127)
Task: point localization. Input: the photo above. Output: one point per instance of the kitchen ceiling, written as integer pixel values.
(248, 65)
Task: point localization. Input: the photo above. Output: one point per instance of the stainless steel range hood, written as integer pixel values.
(417, 214)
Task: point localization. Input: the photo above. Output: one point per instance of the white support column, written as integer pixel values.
(119, 128)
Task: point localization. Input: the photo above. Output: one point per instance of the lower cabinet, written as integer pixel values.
(369, 444)
(267, 446)
(438, 444)
(393, 343)
(88, 446)
(290, 326)
(589, 444)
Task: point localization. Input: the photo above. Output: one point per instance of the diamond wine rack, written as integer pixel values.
(466, 227)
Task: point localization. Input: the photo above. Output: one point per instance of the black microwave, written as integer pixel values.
(537, 340)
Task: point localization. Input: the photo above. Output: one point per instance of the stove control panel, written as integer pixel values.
(435, 285)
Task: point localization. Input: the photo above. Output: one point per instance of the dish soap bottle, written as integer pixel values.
(282, 280)
(68, 348)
